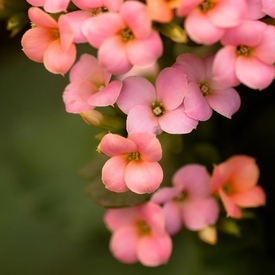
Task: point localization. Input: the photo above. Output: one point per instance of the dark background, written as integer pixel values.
(48, 225)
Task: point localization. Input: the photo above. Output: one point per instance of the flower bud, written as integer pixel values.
(174, 32)
(208, 235)
(110, 123)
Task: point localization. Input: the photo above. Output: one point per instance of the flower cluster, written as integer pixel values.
(128, 38)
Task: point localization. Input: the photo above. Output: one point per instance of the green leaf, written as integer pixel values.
(107, 199)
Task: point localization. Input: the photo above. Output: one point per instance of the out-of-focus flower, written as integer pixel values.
(157, 109)
(49, 41)
(189, 201)
(90, 86)
(204, 93)
(133, 164)
(235, 181)
(139, 234)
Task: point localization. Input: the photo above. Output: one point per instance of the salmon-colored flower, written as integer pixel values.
(50, 41)
(133, 164)
(235, 181)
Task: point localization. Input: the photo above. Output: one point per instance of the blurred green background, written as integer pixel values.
(48, 225)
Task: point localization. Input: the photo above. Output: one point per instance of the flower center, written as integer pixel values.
(143, 228)
(126, 35)
(204, 87)
(243, 50)
(158, 109)
(206, 5)
(133, 156)
(181, 197)
(97, 11)
(227, 188)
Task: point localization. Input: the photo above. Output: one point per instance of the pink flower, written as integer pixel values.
(214, 16)
(255, 9)
(139, 234)
(49, 42)
(162, 10)
(157, 109)
(133, 164)
(52, 6)
(189, 201)
(89, 86)
(235, 182)
(247, 56)
(269, 7)
(204, 93)
(125, 38)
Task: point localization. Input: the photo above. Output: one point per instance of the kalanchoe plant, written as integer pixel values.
(153, 185)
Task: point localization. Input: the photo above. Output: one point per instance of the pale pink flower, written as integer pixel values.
(52, 6)
(133, 164)
(125, 38)
(214, 16)
(89, 86)
(235, 181)
(189, 201)
(247, 56)
(139, 234)
(156, 109)
(204, 93)
(162, 10)
(49, 41)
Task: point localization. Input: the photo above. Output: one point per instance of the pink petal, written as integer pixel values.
(254, 73)
(113, 5)
(231, 209)
(195, 179)
(66, 32)
(196, 105)
(224, 66)
(177, 122)
(98, 28)
(136, 17)
(41, 18)
(207, 35)
(87, 68)
(145, 52)
(148, 146)
(141, 119)
(143, 177)
(115, 219)
(225, 14)
(107, 95)
(255, 10)
(269, 7)
(241, 35)
(173, 218)
(117, 63)
(165, 194)
(135, 91)
(53, 6)
(253, 197)
(76, 18)
(88, 5)
(123, 244)
(35, 42)
(225, 102)
(192, 66)
(187, 6)
(197, 214)
(113, 174)
(56, 60)
(37, 3)
(114, 145)
(154, 250)
(171, 86)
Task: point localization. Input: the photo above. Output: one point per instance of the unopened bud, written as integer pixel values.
(17, 22)
(107, 122)
(174, 31)
(208, 235)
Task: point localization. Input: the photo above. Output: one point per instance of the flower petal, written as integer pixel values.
(231, 209)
